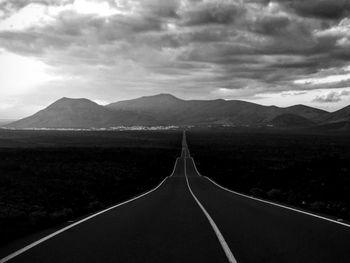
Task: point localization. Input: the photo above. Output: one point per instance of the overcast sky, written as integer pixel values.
(280, 52)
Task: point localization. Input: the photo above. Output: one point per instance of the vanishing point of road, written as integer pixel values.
(189, 218)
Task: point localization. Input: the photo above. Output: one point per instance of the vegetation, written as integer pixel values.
(50, 177)
(45, 186)
(304, 170)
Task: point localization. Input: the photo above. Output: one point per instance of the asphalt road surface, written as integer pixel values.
(188, 218)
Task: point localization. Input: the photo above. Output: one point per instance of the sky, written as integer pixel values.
(271, 52)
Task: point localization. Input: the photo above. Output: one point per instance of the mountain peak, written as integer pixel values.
(304, 107)
(162, 96)
(288, 120)
(156, 103)
(166, 109)
(339, 115)
(66, 99)
(69, 102)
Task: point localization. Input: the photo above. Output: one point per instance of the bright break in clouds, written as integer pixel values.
(278, 52)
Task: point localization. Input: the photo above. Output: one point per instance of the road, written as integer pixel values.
(188, 218)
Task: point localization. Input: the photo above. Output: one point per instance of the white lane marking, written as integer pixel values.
(172, 171)
(275, 204)
(20, 251)
(268, 202)
(220, 237)
(195, 167)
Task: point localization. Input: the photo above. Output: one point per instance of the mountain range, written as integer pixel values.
(166, 109)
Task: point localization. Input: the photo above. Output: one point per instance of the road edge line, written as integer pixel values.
(172, 173)
(279, 205)
(217, 232)
(195, 167)
(41, 240)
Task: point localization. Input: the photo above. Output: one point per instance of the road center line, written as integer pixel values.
(220, 237)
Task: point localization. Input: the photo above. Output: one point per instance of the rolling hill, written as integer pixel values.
(313, 114)
(80, 113)
(4, 122)
(291, 121)
(342, 115)
(166, 109)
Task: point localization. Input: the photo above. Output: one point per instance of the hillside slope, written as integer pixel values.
(342, 115)
(291, 121)
(79, 113)
(168, 109)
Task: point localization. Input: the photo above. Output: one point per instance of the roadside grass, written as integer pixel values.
(76, 174)
(303, 170)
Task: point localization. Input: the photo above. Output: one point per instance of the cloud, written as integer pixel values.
(325, 9)
(199, 48)
(23, 74)
(340, 35)
(332, 97)
(212, 12)
(160, 8)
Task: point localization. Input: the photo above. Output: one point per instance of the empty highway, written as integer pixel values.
(189, 218)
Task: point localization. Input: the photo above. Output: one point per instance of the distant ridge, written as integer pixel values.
(342, 115)
(291, 121)
(79, 113)
(4, 122)
(166, 109)
(310, 113)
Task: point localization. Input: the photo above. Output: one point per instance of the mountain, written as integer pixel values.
(166, 109)
(291, 121)
(342, 115)
(163, 107)
(79, 113)
(316, 115)
(151, 104)
(4, 122)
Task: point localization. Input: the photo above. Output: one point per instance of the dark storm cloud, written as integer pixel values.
(13, 6)
(324, 9)
(212, 12)
(18, 4)
(272, 25)
(72, 29)
(31, 42)
(248, 45)
(160, 8)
